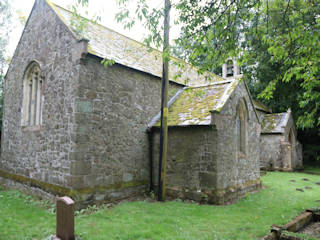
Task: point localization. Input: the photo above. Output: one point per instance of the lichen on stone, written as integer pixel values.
(194, 105)
(260, 106)
(272, 123)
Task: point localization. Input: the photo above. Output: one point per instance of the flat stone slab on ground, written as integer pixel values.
(305, 179)
(299, 189)
(313, 229)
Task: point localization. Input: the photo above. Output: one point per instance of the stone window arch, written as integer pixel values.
(242, 126)
(32, 95)
(230, 68)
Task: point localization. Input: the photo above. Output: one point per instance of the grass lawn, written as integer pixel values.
(311, 169)
(250, 218)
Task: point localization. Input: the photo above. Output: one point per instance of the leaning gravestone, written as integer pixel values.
(65, 218)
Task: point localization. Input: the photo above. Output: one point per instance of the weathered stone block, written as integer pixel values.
(208, 180)
(91, 95)
(84, 106)
(77, 156)
(127, 177)
(80, 168)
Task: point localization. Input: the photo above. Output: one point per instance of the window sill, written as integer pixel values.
(31, 128)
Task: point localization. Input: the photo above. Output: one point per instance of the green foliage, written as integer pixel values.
(107, 62)
(311, 153)
(214, 30)
(276, 42)
(78, 23)
(291, 35)
(250, 218)
(150, 17)
(83, 3)
(5, 20)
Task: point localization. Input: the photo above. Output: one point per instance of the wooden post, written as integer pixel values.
(164, 105)
(65, 218)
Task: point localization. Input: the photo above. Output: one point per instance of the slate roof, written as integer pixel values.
(261, 107)
(274, 123)
(194, 105)
(106, 43)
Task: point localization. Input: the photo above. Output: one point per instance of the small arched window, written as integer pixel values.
(230, 70)
(32, 96)
(242, 125)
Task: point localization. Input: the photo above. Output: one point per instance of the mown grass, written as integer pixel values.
(23, 218)
(312, 169)
(250, 218)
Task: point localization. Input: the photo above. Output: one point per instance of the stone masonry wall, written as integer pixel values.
(42, 154)
(277, 152)
(204, 162)
(92, 144)
(296, 158)
(237, 173)
(192, 159)
(270, 151)
(113, 108)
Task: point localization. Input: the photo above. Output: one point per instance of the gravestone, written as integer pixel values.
(65, 218)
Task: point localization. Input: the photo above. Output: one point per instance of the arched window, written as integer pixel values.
(242, 125)
(32, 96)
(230, 70)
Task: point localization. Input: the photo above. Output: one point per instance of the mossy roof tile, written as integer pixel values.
(194, 104)
(274, 123)
(260, 106)
(106, 43)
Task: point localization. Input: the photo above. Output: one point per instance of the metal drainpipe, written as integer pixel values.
(150, 135)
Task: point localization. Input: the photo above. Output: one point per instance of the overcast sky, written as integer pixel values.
(104, 8)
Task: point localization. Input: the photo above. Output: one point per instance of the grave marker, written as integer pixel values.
(65, 218)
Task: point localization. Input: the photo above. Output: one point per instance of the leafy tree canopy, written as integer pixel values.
(276, 41)
(5, 16)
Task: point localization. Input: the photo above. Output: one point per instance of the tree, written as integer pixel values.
(288, 66)
(290, 37)
(5, 17)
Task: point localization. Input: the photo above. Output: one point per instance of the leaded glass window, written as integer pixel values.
(32, 96)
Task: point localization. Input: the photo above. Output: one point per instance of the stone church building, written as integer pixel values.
(278, 132)
(72, 126)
